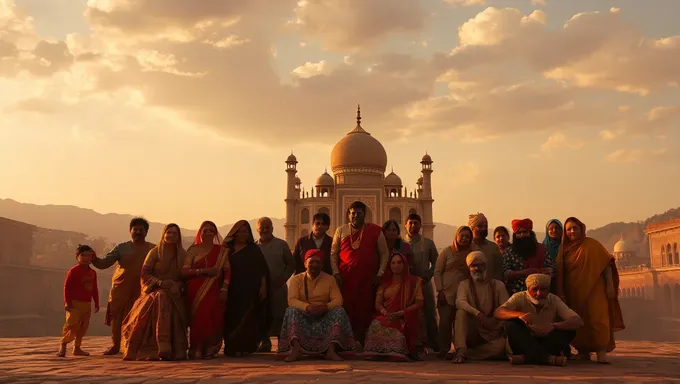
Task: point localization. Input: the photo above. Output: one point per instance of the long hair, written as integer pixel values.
(386, 226)
(161, 243)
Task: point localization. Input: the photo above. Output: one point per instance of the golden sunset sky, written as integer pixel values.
(186, 110)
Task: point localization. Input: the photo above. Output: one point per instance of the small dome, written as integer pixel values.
(623, 246)
(291, 159)
(393, 180)
(325, 180)
(420, 181)
(298, 181)
(426, 159)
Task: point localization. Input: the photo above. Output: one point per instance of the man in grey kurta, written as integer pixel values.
(281, 267)
(424, 260)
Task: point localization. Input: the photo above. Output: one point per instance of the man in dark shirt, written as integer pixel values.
(318, 239)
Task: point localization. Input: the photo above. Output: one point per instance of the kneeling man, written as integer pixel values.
(315, 322)
(539, 325)
(478, 335)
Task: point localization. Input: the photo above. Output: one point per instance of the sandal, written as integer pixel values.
(459, 358)
(516, 359)
(558, 361)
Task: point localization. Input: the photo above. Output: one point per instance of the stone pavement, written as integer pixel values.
(33, 360)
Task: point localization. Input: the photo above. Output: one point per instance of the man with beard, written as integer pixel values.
(281, 268)
(424, 260)
(359, 257)
(125, 283)
(476, 300)
(318, 239)
(534, 334)
(524, 257)
(480, 230)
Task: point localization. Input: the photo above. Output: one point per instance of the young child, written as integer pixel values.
(80, 288)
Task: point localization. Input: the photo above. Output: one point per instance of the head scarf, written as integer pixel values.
(459, 259)
(475, 219)
(475, 255)
(568, 245)
(216, 240)
(552, 245)
(314, 252)
(538, 279)
(526, 224)
(229, 239)
(454, 245)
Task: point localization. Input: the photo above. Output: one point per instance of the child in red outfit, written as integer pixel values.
(80, 288)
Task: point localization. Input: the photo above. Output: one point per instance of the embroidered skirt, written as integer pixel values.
(315, 334)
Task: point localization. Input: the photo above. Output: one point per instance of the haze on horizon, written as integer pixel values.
(529, 108)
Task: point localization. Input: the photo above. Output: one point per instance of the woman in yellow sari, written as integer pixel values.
(588, 281)
(207, 270)
(156, 328)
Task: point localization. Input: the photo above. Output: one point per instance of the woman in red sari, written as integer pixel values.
(396, 332)
(207, 270)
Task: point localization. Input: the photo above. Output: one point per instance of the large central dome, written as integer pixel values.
(358, 149)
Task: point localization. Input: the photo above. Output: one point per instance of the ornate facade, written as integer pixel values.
(358, 164)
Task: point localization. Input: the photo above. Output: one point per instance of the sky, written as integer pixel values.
(186, 111)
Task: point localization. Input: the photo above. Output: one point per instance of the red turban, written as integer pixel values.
(522, 224)
(313, 252)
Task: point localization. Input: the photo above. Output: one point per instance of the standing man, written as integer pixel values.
(480, 230)
(281, 268)
(125, 283)
(359, 256)
(424, 261)
(318, 239)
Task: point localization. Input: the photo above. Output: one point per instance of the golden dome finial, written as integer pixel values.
(358, 115)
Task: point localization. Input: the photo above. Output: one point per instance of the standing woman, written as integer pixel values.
(248, 311)
(449, 271)
(587, 280)
(156, 328)
(395, 244)
(552, 242)
(207, 270)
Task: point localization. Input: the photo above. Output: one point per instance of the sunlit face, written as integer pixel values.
(481, 230)
(522, 233)
(478, 270)
(265, 228)
(171, 235)
(538, 293)
(413, 227)
(241, 235)
(463, 238)
(397, 265)
(554, 231)
(391, 233)
(85, 258)
(319, 229)
(501, 239)
(313, 265)
(208, 233)
(138, 233)
(573, 231)
(357, 217)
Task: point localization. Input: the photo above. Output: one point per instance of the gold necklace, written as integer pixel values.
(356, 243)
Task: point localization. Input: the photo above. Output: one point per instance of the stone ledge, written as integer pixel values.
(32, 360)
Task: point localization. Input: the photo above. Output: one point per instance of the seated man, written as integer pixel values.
(476, 300)
(315, 322)
(534, 334)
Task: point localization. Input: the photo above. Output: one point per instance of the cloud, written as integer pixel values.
(539, 3)
(356, 24)
(308, 69)
(465, 3)
(634, 155)
(559, 140)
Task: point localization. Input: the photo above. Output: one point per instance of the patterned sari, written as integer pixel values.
(205, 308)
(403, 338)
(156, 327)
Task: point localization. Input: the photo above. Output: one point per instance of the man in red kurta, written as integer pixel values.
(359, 255)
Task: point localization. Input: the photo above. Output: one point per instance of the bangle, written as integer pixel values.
(198, 272)
(223, 289)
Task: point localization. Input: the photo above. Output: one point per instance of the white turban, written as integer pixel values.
(475, 255)
(538, 279)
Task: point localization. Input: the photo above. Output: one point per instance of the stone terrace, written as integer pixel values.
(32, 360)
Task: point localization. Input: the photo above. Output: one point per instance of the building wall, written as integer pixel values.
(16, 242)
(669, 239)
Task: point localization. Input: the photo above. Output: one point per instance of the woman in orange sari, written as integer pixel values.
(207, 270)
(156, 327)
(587, 280)
(396, 332)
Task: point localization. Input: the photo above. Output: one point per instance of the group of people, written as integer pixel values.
(368, 290)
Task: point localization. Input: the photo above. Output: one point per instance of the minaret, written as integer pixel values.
(425, 196)
(292, 195)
